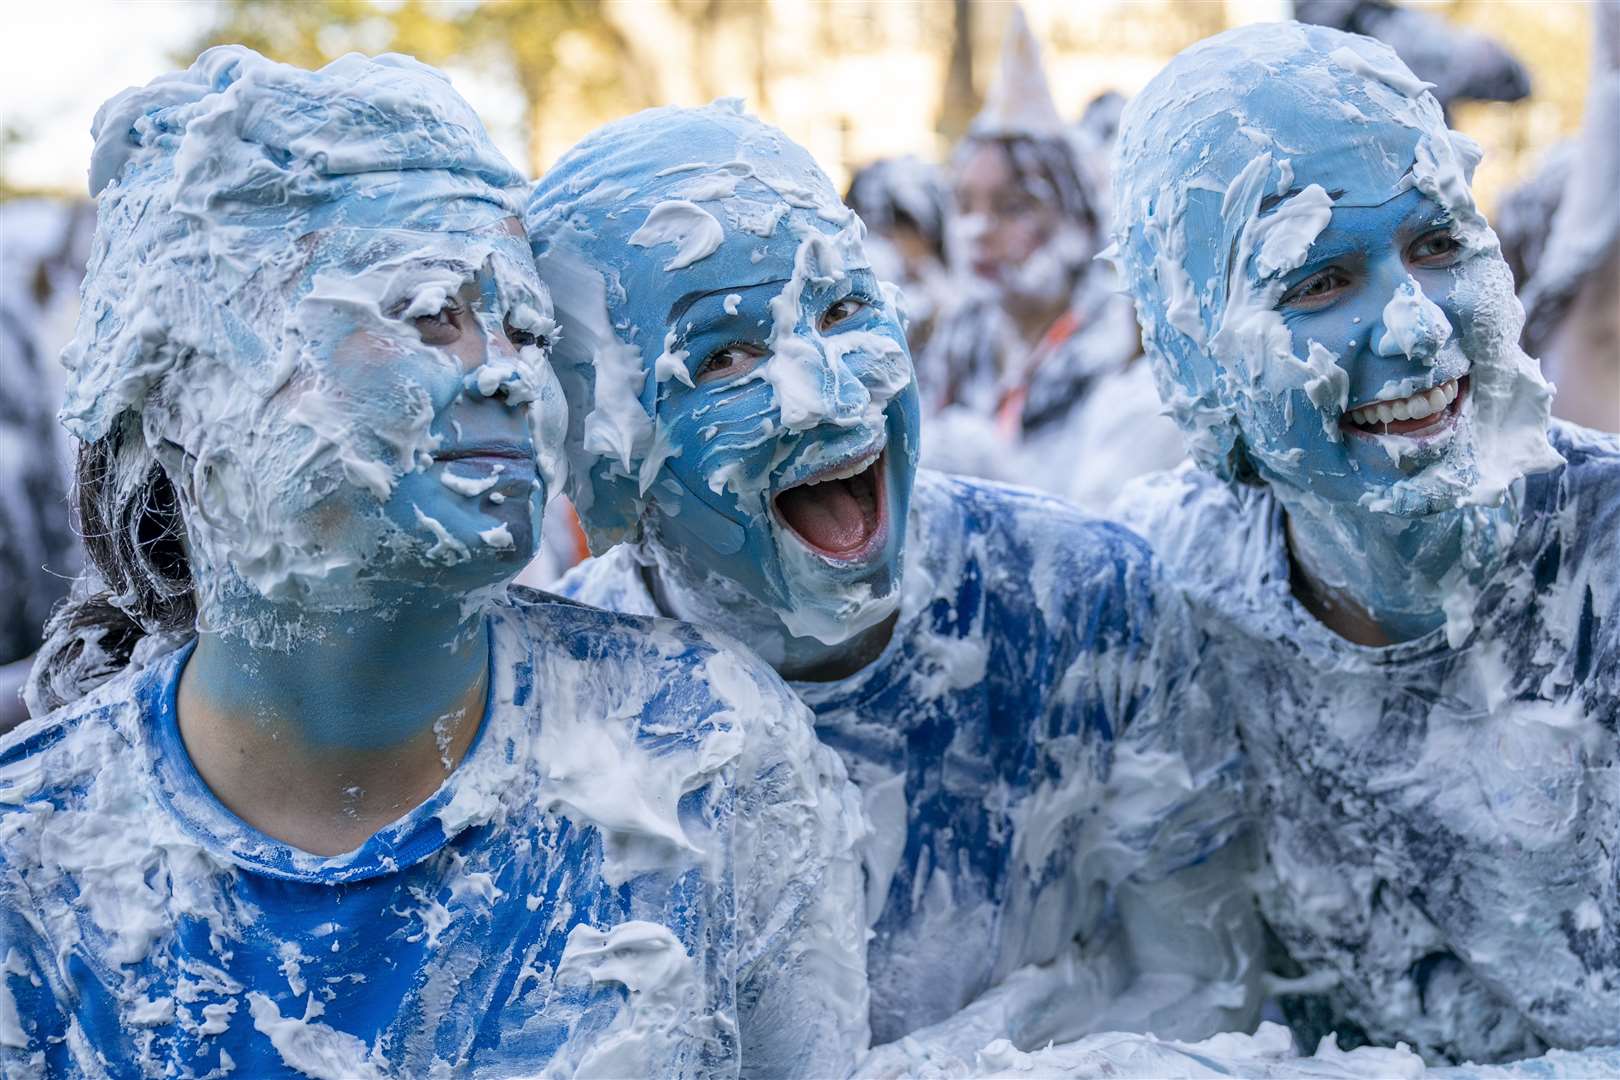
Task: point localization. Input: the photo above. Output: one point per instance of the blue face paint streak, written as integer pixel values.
(1223, 213)
(763, 251)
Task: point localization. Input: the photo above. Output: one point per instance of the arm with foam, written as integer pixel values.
(802, 1001)
(1170, 842)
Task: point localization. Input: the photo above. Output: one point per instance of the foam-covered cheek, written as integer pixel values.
(1481, 306)
(968, 231)
(371, 393)
(879, 365)
(717, 434)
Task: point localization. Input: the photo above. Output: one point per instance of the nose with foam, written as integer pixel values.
(1411, 325)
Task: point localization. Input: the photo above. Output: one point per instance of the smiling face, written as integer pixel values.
(739, 387)
(1373, 315)
(792, 447)
(1324, 306)
(404, 444)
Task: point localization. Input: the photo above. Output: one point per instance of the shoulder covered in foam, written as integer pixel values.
(1031, 519)
(700, 681)
(1035, 547)
(43, 756)
(1199, 526)
(1592, 466)
(797, 826)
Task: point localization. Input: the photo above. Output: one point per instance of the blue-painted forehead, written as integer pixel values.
(1341, 110)
(673, 202)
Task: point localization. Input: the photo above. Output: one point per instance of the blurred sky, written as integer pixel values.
(830, 63)
(64, 59)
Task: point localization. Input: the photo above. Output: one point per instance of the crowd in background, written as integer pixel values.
(1029, 359)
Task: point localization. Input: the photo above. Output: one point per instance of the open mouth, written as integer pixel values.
(840, 513)
(1426, 412)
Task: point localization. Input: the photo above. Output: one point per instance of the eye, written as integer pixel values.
(728, 363)
(1318, 290)
(524, 338)
(443, 327)
(1435, 248)
(842, 311)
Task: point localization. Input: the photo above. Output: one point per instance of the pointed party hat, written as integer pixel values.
(1020, 101)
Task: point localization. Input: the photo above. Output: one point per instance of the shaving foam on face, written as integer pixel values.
(269, 241)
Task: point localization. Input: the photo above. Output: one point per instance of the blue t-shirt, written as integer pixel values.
(1440, 824)
(1031, 736)
(642, 864)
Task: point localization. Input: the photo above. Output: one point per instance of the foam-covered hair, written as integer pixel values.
(1230, 131)
(207, 179)
(711, 195)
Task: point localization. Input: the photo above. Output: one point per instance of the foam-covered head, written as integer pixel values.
(1295, 223)
(724, 342)
(310, 298)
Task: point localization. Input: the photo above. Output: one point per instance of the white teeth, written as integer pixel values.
(853, 469)
(1422, 404)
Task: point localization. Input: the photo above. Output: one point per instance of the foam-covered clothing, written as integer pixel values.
(1440, 824)
(1028, 739)
(642, 867)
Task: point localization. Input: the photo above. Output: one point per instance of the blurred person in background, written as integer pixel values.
(1031, 374)
(902, 201)
(1561, 235)
(46, 243)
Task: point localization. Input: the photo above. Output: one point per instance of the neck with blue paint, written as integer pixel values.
(354, 723)
(1380, 579)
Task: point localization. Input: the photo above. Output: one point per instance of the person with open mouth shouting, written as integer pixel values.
(1003, 676)
(1411, 580)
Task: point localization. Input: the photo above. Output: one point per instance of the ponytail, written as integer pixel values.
(138, 579)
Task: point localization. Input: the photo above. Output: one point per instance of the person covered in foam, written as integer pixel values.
(315, 796)
(999, 672)
(1032, 372)
(1411, 582)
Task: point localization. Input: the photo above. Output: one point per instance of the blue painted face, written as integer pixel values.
(1376, 297)
(769, 435)
(314, 304)
(470, 488)
(406, 446)
(1324, 306)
